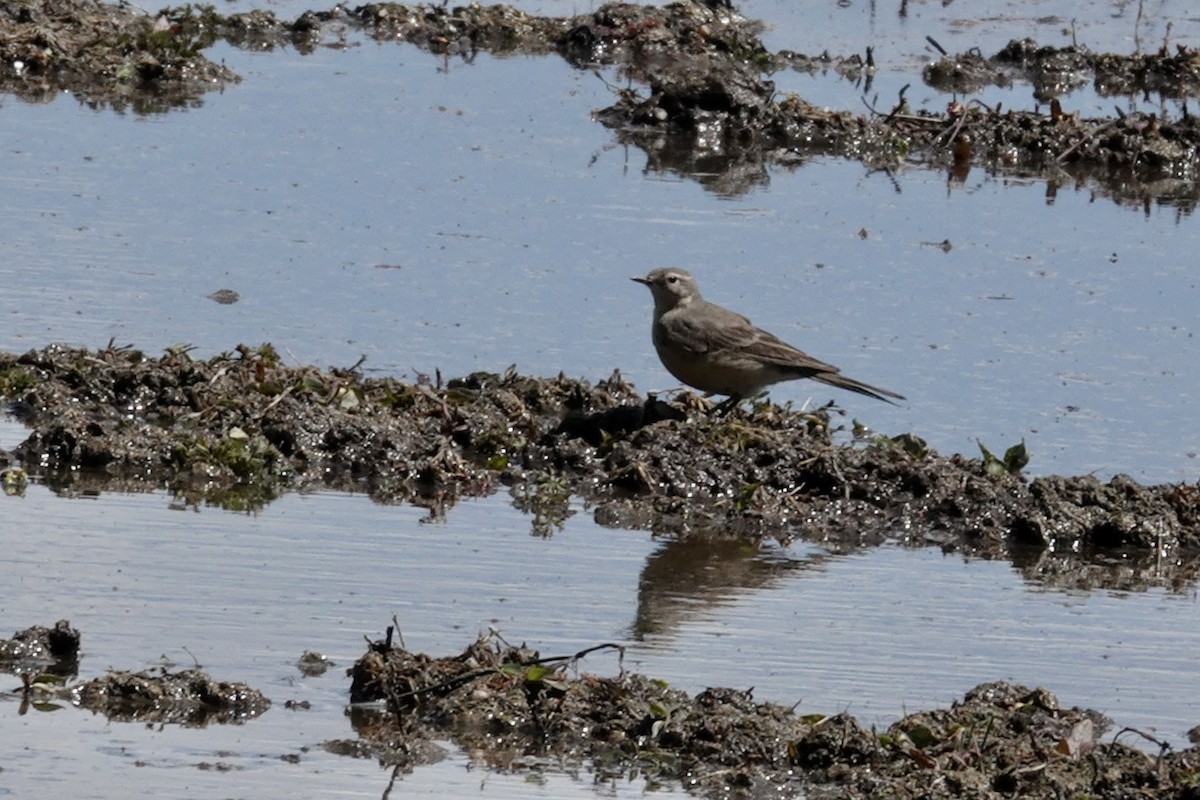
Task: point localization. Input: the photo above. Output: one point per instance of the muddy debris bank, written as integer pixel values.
(1057, 71)
(47, 658)
(188, 697)
(40, 649)
(108, 55)
(241, 427)
(699, 99)
(515, 710)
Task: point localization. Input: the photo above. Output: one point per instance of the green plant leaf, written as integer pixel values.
(1016, 458)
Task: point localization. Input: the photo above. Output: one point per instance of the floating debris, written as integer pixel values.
(225, 297)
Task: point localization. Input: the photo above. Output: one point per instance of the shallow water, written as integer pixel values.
(244, 596)
(386, 202)
(877, 634)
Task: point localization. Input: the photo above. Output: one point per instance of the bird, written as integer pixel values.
(720, 352)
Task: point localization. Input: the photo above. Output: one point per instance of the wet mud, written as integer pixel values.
(105, 55)
(40, 649)
(188, 697)
(47, 660)
(698, 96)
(238, 429)
(516, 710)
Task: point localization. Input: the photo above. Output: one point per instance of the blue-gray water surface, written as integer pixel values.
(878, 634)
(433, 214)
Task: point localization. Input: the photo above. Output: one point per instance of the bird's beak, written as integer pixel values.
(642, 281)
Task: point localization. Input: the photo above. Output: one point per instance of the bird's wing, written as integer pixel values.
(731, 332)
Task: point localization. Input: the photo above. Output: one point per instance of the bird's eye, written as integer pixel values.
(672, 279)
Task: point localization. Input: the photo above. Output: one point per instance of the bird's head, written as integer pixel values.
(671, 287)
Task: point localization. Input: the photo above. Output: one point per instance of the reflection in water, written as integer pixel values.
(695, 573)
(1110, 570)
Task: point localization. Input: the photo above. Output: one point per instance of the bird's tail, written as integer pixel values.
(842, 382)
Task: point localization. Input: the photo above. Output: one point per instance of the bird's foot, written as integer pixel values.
(692, 402)
(734, 401)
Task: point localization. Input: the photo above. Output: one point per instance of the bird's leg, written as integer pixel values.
(727, 405)
(760, 396)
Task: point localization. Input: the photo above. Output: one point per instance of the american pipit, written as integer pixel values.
(712, 349)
